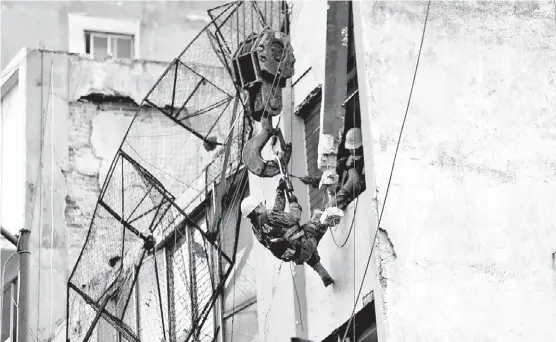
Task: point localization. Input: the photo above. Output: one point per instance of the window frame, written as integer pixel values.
(109, 36)
(79, 23)
(12, 317)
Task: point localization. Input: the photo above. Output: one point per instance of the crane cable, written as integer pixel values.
(391, 171)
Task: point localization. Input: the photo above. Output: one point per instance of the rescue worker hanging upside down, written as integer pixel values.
(281, 232)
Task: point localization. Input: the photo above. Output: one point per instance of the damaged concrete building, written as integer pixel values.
(457, 210)
(70, 87)
(465, 239)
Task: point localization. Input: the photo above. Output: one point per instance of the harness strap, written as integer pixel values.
(310, 230)
(293, 233)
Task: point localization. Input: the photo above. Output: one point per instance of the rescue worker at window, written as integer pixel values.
(351, 171)
(281, 232)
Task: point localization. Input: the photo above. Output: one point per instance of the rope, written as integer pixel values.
(297, 297)
(272, 299)
(51, 311)
(354, 211)
(392, 169)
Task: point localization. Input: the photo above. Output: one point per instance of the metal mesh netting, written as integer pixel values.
(148, 271)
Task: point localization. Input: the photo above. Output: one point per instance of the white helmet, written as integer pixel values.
(248, 205)
(353, 139)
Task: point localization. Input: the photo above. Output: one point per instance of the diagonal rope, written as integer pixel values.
(392, 169)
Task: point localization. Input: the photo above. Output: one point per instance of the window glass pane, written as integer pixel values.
(87, 42)
(130, 316)
(203, 277)
(150, 325)
(124, 48)
(242, 326)
(100, 47)
(6, 305)
(180, 278)
(14, 308)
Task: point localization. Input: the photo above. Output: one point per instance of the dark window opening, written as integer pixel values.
(362, 327)
(351, 67)
(350, 151)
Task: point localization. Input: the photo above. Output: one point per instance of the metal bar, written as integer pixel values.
(140, 202)
(240, 307)
(23, 290)
(174, 90)
(350, 97)
(111, 319)
(188, 98)
(192, 280)
(170, 294)
(205, 79)
(95, 320)
(126, 225)
(137, 269)
(191, 130)
(9, 236)
(159, 294)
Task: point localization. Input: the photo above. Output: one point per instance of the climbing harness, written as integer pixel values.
(285, 175)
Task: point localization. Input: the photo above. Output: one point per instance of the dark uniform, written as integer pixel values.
(351, 170)
(282, 234)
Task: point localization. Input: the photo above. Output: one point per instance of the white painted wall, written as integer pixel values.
(470, 213)
(12, 160)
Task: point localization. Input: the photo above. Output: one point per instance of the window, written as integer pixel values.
(352, 119)
(9, 311)
(362, 327)
(101, 45)
(102, 37)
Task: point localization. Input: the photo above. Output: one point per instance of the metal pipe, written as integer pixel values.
(9, 236)
(350, 97)
(23, 281)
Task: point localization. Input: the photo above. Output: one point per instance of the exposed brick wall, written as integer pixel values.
(82, 175)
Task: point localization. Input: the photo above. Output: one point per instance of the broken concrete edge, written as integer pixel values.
(305, 107)
(386, 256)
(327, 151)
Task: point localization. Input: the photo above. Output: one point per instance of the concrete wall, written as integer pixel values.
(470, 213)
(12, 156)
(80, 139)
(165, 26)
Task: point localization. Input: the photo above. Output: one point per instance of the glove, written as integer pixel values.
(282, 185)
(292, 198)
(312, 181)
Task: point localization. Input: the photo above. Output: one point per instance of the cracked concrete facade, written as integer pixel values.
(465, 245)
(81, 136)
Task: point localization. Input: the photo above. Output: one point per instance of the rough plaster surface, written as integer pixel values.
(328, 308)
(80, 139)
(468, 230)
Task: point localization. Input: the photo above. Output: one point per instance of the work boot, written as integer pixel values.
(332, 216)
(324, 276)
